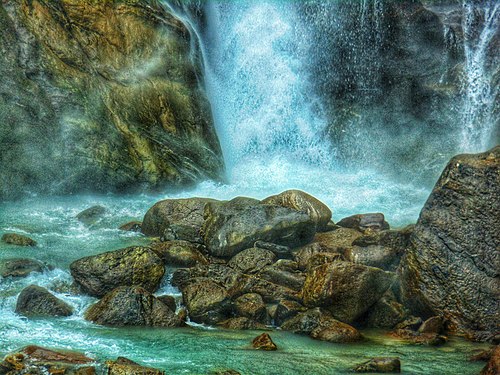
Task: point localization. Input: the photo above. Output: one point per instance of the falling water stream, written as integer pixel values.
(271, 123)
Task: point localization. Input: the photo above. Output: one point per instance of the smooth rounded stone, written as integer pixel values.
(179, 253)
(380, 365)
(279, 250)
(434, 324)
(493, 365)
(132, 226)
(286, 310)
(91, 215)
(233, 226)
(241, 323)
(251, 305)
(18, 239)
(252, 260)
(20, 267)
(301, 201)
(336, 332)
(207, 302)
(457, 234)
(131, 306)
(365, 222)
(305, 253)
(293, 280)
(37, 301)
(348, 290)
(386, 313)
(338, 240)
(124, 366)
(99, 274)
(264, 342)
(169, 301)
(176, 219)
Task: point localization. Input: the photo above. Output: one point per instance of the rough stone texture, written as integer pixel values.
(386, 313)
(434, 324)
(18, 239)
(179, 253)
(348, 290)
(37, 301)
(290, 279)
(251, 306)
(109, 92)
(286, 310)
(493, 365)
(176, 219)
(301, 201)
(337, 240)
(131, 306)
(99, 274)
(337, 332)
(241, 323)
(380, 365)
(169, 301)
(20, 267)
(303, 255)
(452, 268)
(365, 222)
(233, 226)
(252, 260)
(124, 366)
(264, 342)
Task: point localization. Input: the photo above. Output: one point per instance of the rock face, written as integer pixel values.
(131, 306)
(347, 290)
(18, 239)
(38, 301)
(99, 274)
(106, 90)
(452, 268)
(176, 219)
(233, 226)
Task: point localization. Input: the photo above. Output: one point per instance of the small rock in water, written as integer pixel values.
(380, 365)
(91, 215)
(124, 366)
(18, 239)
(20, 267)
(38, 301)
(264, 342)
(133, 226)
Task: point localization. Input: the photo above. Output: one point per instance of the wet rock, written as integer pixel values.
(286, 310)
(303, 255)
(301, 201)
(412, 323)
(482, 355)
(434, 324)
(252, 260)
(206, 301)
(264, 342)
(176, 219)
(99, 274)
(131, 306)
(365, 222)
(380, 365)
(413, 337)
(493, 365)
(337, 332)
(20, 267)
(456, 234)
(347, 290)
(233, 226)
(132, 226)
(279, 250)
(241, 323)
(290, 279)
(270, 292)
(179, 253)
(124, 366)
(219, 273)
(338, 240)
(91, 215)
(224, 372)
(319, 259)
(251, 306)
(37, 301)
(169, 301)
(386, 313)
(18, 239)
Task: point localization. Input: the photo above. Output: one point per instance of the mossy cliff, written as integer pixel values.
(109, 92)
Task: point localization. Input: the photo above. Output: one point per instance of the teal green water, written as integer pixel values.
(194, 350)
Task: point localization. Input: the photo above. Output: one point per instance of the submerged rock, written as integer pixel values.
(99, 274)
(264, 342)
(18, 239)
(301, 201)
(457, 234)
(132, 306)
(20, 267)
(37, 301)
(176, 219)
(380, 365)
(348, 290)
(233, 226)
(124, 366)
(132, 226)
(179, 253)
(91, 215)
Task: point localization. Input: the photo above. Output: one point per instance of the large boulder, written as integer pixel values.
(131, 306)
(452, 268)
(18, 239)
(179, 253)
(301, 201)
(109, 90)
(233, 226)
(176, 219)
(20, 267)
(348, 290)
(99, 274)
(37, 301)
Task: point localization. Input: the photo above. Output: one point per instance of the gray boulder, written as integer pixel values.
(37, 301)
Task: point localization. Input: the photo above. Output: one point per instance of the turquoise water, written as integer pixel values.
(195, 350)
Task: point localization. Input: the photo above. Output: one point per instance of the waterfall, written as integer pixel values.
(481, 24)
